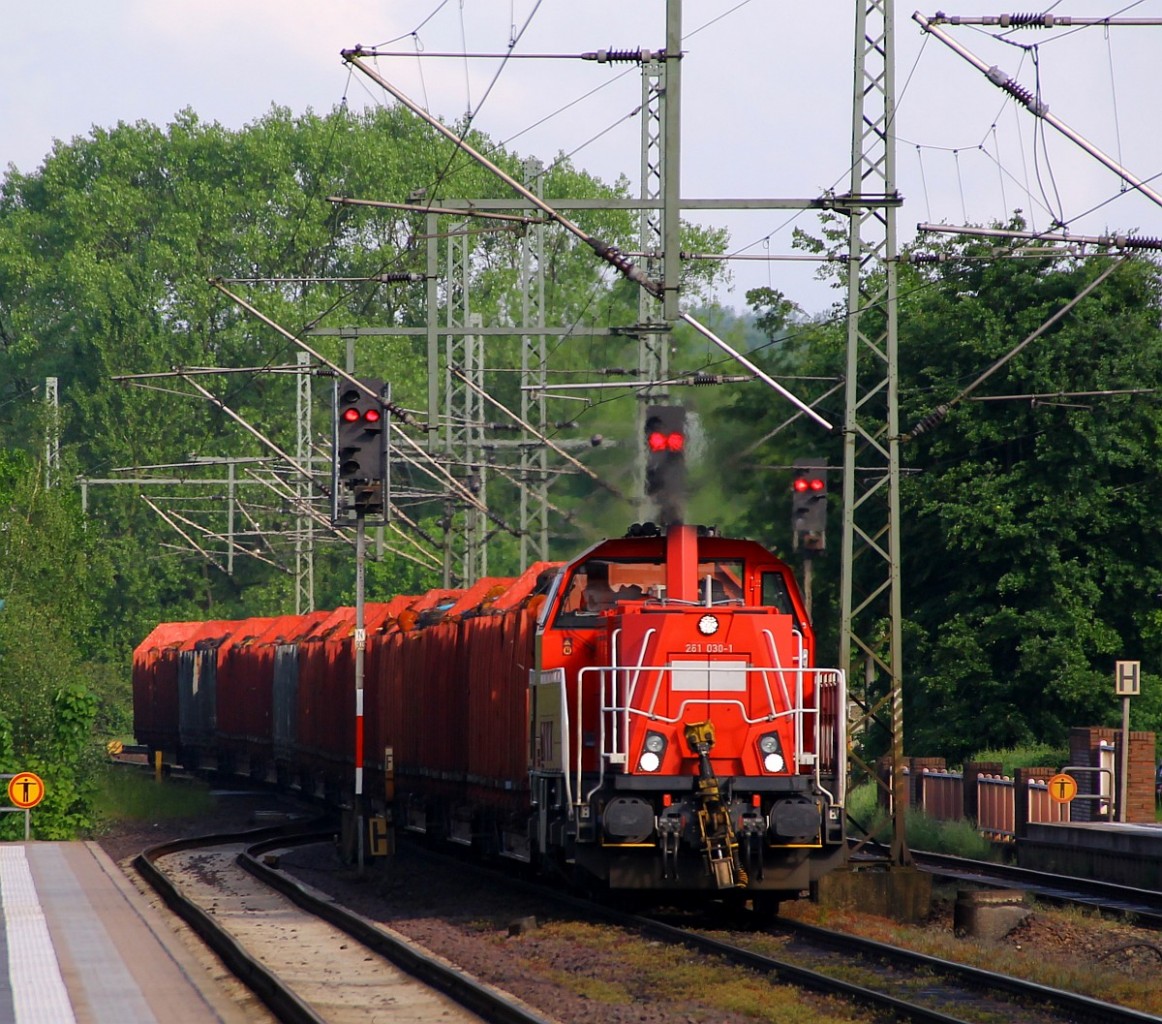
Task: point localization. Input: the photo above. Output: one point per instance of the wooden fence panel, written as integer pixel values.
(996, 807)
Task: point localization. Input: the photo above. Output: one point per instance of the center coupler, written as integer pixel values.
(719, 842)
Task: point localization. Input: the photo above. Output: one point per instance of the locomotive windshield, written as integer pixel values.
(599, 585)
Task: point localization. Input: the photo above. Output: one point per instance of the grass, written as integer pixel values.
(959, 838)
(128, 796)
(703, 986)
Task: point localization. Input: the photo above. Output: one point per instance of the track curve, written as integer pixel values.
(291, 944)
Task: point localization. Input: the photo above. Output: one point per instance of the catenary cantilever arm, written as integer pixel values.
(610, 253)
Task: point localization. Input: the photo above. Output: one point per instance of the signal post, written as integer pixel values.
(360, 486)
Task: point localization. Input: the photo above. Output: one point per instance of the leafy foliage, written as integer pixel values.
(115, 259)
(1030, 534)
(46, 643)
(1029, 556)
(1039, 755)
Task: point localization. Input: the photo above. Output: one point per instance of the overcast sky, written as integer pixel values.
(766, 101)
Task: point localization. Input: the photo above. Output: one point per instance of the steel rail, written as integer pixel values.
(264, 983)
(1084, 1007)
(490, 1004)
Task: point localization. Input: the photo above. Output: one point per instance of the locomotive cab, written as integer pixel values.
(680, 735)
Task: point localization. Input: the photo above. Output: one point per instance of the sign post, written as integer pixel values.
(25, 791)
(1127, 684)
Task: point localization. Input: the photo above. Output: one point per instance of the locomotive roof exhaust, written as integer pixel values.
(682, 563)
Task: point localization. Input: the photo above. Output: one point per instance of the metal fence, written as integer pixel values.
(941, 796)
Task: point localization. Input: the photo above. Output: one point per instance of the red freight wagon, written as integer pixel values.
(379, 618)
(281, 645)
(502, 656)
(315, 693)
(326, 717)
(155, 685)
(198, 692)
(244, 676)
(379, 697)
(458, 715)
(413, 676)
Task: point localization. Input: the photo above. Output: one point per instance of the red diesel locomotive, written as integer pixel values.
(649, 714)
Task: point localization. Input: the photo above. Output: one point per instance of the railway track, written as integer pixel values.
(307, 958)
(936, 983)
(1142, 906)
(881, 979)
(911, 986)
(290, 943)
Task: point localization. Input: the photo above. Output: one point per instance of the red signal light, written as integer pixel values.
(371, 416)
(350, 415)
(660, 441)
(800, 484)
(817, 484)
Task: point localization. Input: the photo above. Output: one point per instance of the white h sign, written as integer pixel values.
(1127, 678)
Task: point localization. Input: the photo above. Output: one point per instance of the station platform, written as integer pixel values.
(82, 946)
(1125, 853)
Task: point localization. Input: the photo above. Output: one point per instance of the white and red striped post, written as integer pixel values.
(360, 648)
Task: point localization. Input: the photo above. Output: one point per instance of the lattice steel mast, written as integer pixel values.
(870, 625)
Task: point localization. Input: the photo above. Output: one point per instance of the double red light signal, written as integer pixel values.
(660, 441)
(809, 497)
(804, 484)
(665, 437)
(354, 415)
(361, 443)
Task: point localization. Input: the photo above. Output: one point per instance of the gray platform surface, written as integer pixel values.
(82, 946)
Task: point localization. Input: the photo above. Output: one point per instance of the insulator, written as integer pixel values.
(701, 379)
(397, 278)
(1033, 20)
(1137, 242)
(612, 56)
(933, 419)
(616, 258)
(1018, 91)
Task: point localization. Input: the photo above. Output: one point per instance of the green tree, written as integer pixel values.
(47, 644)
(1030, 548)
(106, 251)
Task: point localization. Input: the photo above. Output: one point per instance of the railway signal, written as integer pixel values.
(665, 436)
(809, 496)
(361, 439)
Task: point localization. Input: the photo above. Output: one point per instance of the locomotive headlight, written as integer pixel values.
(772, 752)
(773, 762)
(651, 758)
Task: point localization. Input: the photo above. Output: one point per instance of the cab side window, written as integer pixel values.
(775, 594)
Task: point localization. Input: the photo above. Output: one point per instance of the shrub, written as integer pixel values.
(1039, 755)
(959, 838)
